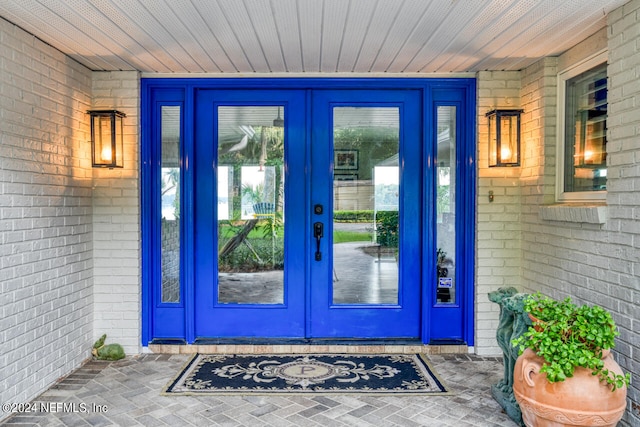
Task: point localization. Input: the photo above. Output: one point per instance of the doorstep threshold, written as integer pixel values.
(302, 346)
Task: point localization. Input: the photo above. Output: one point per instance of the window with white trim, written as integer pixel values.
(582, 118)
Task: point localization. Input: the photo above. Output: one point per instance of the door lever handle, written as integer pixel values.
(318, 232)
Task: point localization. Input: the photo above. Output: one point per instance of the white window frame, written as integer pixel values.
(563, 76)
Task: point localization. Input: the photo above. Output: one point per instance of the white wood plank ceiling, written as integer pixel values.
(309, 36)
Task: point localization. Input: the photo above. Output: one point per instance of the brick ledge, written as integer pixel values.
(589, 214)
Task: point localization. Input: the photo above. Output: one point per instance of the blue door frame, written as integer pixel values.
(176, 321)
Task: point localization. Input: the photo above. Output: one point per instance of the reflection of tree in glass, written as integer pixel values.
(264, 149)
(387, 228)
(252, 153)
(256, 243)
(170, 181)
(252, 194)
(171, 177)
(381, 141)
(443, 199)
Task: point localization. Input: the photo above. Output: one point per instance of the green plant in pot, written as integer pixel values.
(565, 365)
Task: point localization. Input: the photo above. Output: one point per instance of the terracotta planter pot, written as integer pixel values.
(578, 401)
(536, 322)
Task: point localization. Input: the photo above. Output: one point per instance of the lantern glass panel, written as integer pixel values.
(509, 139)
(493, 144)
(504, 137)
(107, 130)
(118, 159)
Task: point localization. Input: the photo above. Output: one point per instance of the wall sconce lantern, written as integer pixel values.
(107, 129)
(504, 138)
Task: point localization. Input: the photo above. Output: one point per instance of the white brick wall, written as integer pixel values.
(539, 96)
(45, 216)
(116, 220)
(619, 250)
(498, 223)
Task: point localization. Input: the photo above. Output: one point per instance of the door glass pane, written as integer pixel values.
(250, 205)
(366, 188)
(445, 206)
(170, 202)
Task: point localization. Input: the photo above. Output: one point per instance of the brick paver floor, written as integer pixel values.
(128, 393)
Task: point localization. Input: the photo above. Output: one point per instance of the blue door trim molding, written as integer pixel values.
(153, 309)
(181, 91)
(452, 322)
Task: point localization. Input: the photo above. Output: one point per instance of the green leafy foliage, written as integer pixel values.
(264, 249)
(353, 216)
(253, 194)
(387, 228)
(272, 226)
(567, 336)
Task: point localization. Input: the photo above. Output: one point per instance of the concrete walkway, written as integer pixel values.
(128, 393)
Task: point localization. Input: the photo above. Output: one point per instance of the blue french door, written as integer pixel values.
(271, 170)
(366, 154)
(308, 208)
(250, 164)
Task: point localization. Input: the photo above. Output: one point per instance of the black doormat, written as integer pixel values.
(407, 374)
